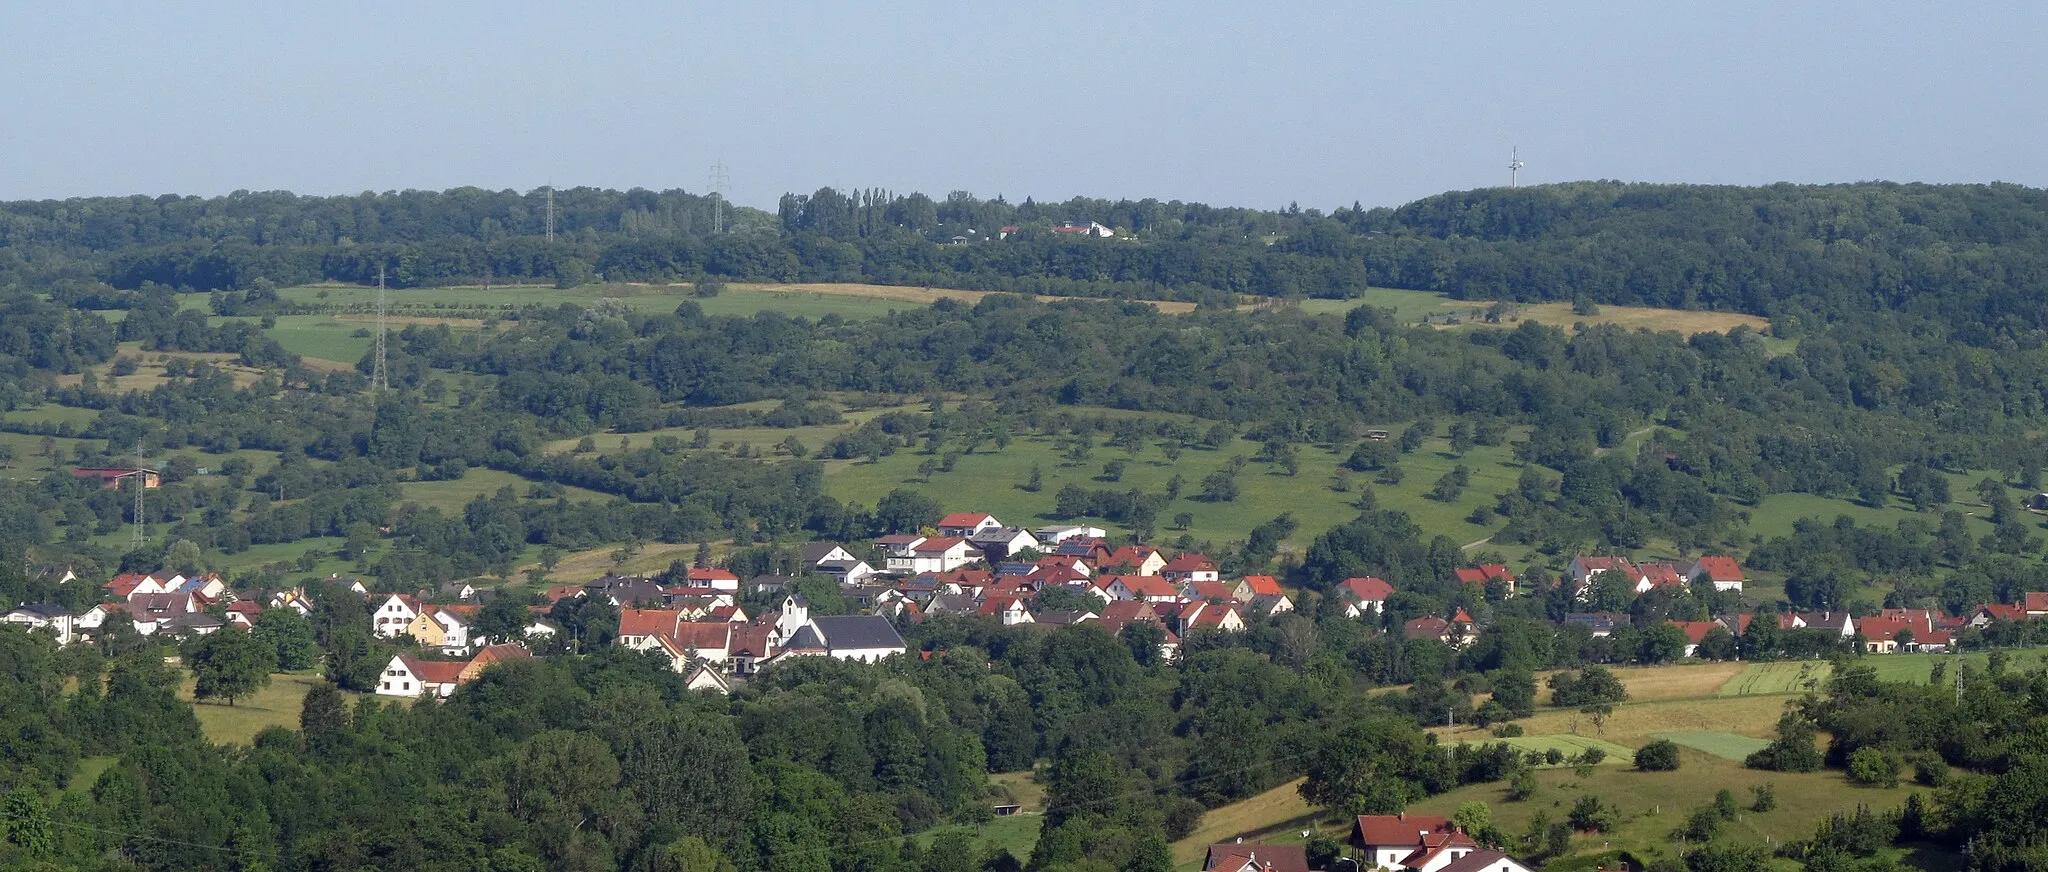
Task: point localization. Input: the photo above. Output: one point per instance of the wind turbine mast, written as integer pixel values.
(1514, 164)
(719, 180)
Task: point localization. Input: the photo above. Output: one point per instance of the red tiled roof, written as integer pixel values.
(1471, 576)
(1189, 562)
(435, 671)
(1880, 629)
(561, 592)
(1212, 615)
(1462, 617)
(711, 573)
(1264, 585)
(1143, 585)
(1371, 588)
(2003, 612)
(2035, 601)
(1237, 856)
(648, 622)
(1721, 568)
(1212, 590)
(1396, 830)
(702, 635)
(1695, 631)
(1662, 575)
(938, 545)
(1427, 627)
(963, 519)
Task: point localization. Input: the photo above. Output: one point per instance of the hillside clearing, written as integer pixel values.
(275, 705)
(1281, 807)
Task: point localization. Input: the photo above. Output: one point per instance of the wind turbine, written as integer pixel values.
(1514, 164)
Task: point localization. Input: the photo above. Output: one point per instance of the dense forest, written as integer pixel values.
(1966, 257)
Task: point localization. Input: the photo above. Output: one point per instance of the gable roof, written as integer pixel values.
(1236, 856)
(2035, 601)
(1397, 830)
(1426, 627)
(857, 631)
(1662, 575)
(1189, 562)
(1478, 860)
(434, 671)
(648, 622)
(1881, 629)
(703, 635)
(965, 519)
(1370, 588)
(814, 553)
(1721, 568)
(2003, 612)
(938, 545)
(1264, 585)
(1695, 631)
(711, 573)
(1142, 585)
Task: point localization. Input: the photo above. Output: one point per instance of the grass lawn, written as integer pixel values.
(276, 705)
(1652, 683)
(990, 482)
(1651, 804)
(1019, 788)
(451, 496)
(1727, 746)
(1277, 816)
(1017, 833)
(1634, 723)
(89, 771)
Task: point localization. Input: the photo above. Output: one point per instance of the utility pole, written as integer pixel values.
(718, 182)
(380, 378)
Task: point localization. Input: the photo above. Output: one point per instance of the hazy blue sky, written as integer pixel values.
(1235, 103)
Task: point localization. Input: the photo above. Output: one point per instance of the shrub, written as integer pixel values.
(1522, 786)
(1589, 813)
(1765, 797)
(1507, 731)
(1874, 767)
(1658, 756)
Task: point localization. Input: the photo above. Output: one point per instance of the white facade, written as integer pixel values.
(63, 626)
(391, 618)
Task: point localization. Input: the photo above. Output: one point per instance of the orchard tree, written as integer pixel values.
(230, 664)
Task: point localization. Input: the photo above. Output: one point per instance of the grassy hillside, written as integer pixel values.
(277, 705)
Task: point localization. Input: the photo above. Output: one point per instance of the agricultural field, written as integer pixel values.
(1779, 678)
(277, 705)
(1017, 834)
(451, 496)
(1418, 306)
(1725, 745)
(149, 370)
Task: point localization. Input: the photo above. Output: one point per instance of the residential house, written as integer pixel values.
(703, 677)
(1121, 615)
(1190, 567)
(411, 676)
(1485, 861)
(458, 590)
(1363, 596)
(1840, 623)
(1057, 533)
(998, 543)
(294, 599)
(942, 554)
(1884, 635)
(1224, 617)
(59, 622)
(1214, 591)
(1009, 608)
(1385, 841)
(1090, 229)
(1600, 624)
(1062, 617)
(242, 613)
(1659, 575)
(2036, 604)
(714, 578)
(963, 525)
(445, 627)
(1695, 633)
(1264, 594)
(624, 591)
(1137, 559)
(832, 558)
(1987, 613)
(751, 643)
(641, 629)
(1458, 631)
(861, 638)
(1585, 569)
(1484, 573)
(1144, 588)
(491, 655)
(1723, 571)
(1248, 857)
(391, 619)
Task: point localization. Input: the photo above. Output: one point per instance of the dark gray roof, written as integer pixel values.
(814, 552)
(953, 603)
(857, 631)
(44, 611)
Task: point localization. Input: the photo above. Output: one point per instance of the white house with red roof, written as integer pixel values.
(1365, 595)
(963, 525)
(411, 676)
(1722, 570)
(1009, 609)
(1485, 861)
(1486, 572)
(714, 578)
(1247, 857)
(1190, 567)
(1388, 841)
(394, 615)
(1224, 617)
(1140, 559)
(1695, 633)
(1585, 569)
(2035, 603)
(1657, 574)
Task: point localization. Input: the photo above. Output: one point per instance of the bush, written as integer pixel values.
(1658, 756)
(1874, 767)
(1765, 797)
(1589, 813)
(1522, 786)
(1507, 731)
